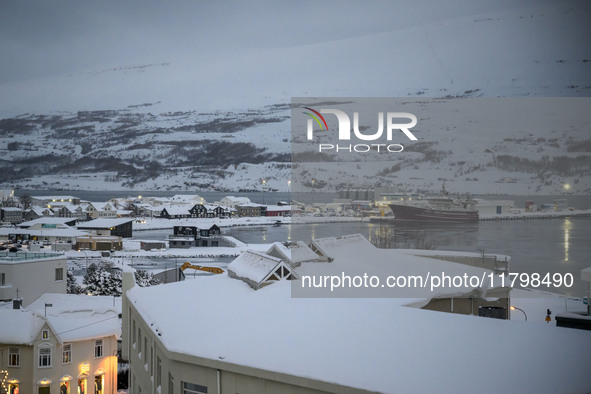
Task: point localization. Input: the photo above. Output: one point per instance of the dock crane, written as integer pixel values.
(213, 270)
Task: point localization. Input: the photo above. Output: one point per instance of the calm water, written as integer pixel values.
(552, 245)
(556, 245)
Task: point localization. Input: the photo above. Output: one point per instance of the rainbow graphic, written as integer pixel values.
(316, 118)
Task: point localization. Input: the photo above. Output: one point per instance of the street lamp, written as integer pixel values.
(264, 181)
(519, 309)
(85, 259)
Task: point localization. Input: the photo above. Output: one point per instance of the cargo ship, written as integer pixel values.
(442, 208)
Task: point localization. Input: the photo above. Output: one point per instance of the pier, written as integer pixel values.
(537, 215)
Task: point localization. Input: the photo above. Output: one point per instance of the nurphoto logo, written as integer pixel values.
(344, 130)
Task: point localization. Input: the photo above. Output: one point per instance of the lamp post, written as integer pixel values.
(264, 181)
(85, 259)
(519, 309)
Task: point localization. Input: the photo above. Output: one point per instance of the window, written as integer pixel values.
(139, 340)
(67, 353)
(170, 383)
(158, 372)
(2, 278)
(45, 334)
(191, 388)
(44, 357)
(151, 361)
(146, 348)
(98, 348)
(14, 357)
(59, 274)
(133, 334)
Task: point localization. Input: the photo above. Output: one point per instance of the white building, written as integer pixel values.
(231, 201)
(101, 210)
(44, 201)
(60, 344)
(29, 275)
(186, 199)
(267, 341)
(494, 207)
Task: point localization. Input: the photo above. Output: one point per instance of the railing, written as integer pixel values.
(20, 256)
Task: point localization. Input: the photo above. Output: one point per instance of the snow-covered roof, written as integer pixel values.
(377, 344)
(176, 209)
(294, 252)
(46, 220)
(11, 209)
(19, 327)
(80, 317)
(278, 208)
(250, 204)
(40, 211)
(70, 207)
(186, 198)
(56, 198)
(50, 232)
(236, 200)
(253, 265)
(100, 206)
(104, 223)
(326, 245)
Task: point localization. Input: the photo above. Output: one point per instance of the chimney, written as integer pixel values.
(17, 303)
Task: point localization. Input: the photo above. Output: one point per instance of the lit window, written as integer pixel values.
(59, 274)
(67, 353)
(44, 357)
(14, 357)
(98, 348)
(45, 334)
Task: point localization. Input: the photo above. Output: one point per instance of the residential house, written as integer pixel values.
(208, 211)
(12, 215)
(191, 236)
(96, 210)
(60, 344)
(175, 211)
(36, 213)
(69, 211)
(232, 201)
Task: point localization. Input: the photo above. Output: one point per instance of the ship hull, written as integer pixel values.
(408, 212)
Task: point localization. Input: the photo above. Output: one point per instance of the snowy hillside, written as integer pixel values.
(219, 120)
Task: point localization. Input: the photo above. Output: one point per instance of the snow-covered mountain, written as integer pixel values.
(220, 120)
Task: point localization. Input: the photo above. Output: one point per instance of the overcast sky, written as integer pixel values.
(43, 38)
(40, 38)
